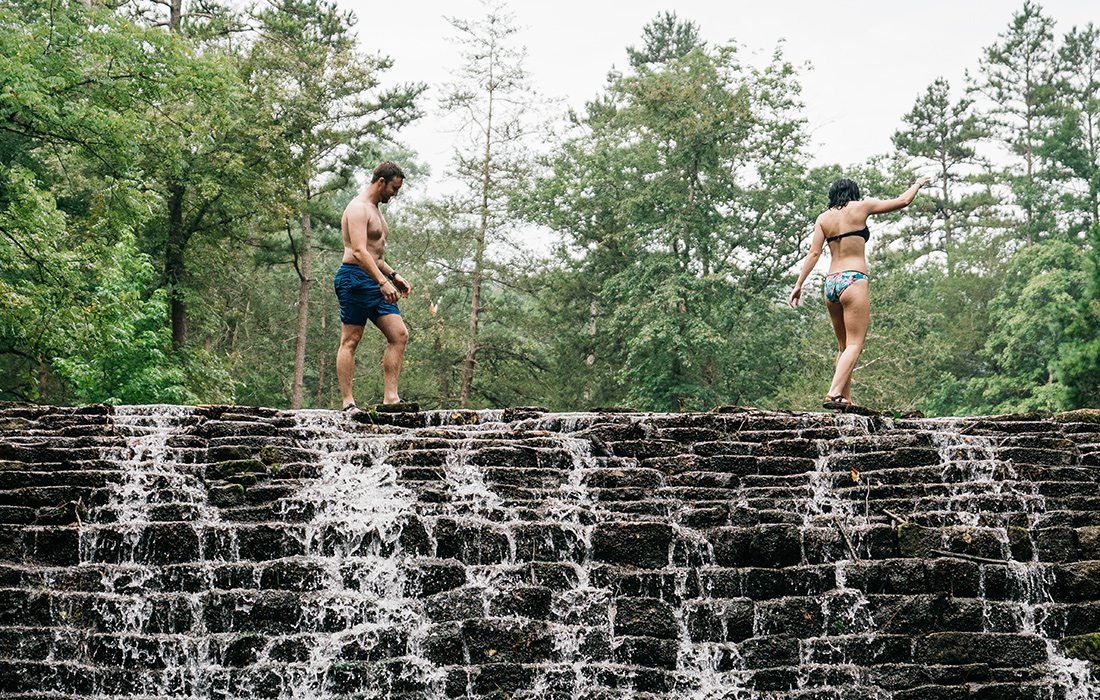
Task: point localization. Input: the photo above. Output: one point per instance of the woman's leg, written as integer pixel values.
(836, 316)
(856, 311)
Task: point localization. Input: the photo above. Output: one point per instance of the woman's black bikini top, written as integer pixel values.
(863, 233)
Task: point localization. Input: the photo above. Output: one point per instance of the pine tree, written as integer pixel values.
(682, 194)
(665, 39)
(1074, 144)
(1075, 148)
(331, 116)
(492, 97)
(944, 135)
(1018, 75)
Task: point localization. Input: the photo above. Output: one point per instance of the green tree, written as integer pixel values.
(206, 19)
(1031, 318)
(665, 39)
(330, 117)
(1073, 145)
(492, 97)
(76, 85)
(1018, 75)
(682, 196)
(944, 135)
(200, 153)
(1075, 148)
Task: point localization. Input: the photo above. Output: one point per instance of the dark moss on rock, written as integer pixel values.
(644, 545)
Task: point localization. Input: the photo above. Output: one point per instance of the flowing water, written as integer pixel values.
(551, 556)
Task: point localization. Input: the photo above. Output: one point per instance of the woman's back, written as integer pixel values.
(848, 251)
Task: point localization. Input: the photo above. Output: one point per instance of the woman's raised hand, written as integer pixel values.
(922, 181)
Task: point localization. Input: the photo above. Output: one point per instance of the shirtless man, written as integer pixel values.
(368, 287)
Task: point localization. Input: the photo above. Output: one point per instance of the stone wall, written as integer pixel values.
(228, 552)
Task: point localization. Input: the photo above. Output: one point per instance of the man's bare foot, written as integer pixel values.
(396, 399)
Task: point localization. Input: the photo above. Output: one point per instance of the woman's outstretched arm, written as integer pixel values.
(812, 257)
(881, 206)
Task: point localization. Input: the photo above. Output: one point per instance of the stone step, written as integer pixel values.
(89, 680)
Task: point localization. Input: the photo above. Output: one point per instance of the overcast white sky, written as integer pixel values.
(890, 50)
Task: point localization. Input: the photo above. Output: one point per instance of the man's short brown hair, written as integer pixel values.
(388, 171)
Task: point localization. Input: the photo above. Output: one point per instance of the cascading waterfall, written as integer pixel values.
(227, 552)
(974, 462)
(155, 513)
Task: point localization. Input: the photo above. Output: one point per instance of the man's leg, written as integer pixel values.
(393, 358)
(345, 360)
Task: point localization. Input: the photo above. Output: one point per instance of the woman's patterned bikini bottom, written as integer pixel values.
(836, 283)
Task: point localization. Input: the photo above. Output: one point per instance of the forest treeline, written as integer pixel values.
(172, 175)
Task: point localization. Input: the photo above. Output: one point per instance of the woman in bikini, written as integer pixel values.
(844, 227)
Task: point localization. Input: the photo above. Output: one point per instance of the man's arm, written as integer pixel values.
(402, 284)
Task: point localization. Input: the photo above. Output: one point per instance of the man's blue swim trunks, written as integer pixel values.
(360, 297)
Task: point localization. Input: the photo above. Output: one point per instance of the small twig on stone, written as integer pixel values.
(968, 557)
(968, 426)
(867, 500)
(847, 541)
(897, 518)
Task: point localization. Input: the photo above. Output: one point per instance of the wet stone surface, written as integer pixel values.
(236, 552)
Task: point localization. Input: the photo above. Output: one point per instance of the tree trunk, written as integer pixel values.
(443, 378)
(1028, 159)
(321, 368)
(177, 237)
(1094, 191)
(677, 365)
(305, 267)
(947, 232)
(175, 16)
(174, 265)
(479, 255)
(475, 312)
(43, 379)
(590, 360)
(237, 326)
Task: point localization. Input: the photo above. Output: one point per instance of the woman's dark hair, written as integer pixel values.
(842, 192)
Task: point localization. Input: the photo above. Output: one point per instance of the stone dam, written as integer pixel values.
(227, 552)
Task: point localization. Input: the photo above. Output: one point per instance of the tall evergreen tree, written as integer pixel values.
(330, 117)
(682, 196)
(1075, 148)
(1074, 143)
(1018, 75)
(944, 135)
(493, 99)
(665, 39)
